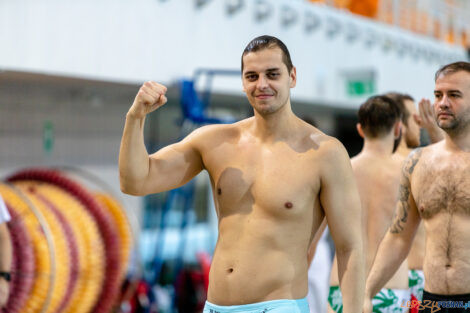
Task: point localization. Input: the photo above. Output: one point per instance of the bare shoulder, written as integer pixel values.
(330, 148)
(425, 157)
(415, 157)
(215, 134)
(363, 163)
(428, 151)
(434, 149)
(397, 162)
(212, 129)
(372, 167)
(330, 155)
(315, 139)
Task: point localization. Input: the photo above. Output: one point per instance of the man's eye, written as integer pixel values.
(251, 77)
(273, 75)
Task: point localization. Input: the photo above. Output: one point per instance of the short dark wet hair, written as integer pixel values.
(378, 115)
(400, 98)
(452, 68)
(269, 42)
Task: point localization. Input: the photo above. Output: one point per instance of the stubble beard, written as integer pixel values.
(268, 110)
(265, 110)
(456, 126)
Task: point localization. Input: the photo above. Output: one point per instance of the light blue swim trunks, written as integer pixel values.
(274, 306)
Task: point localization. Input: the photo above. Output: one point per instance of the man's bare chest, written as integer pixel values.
(442, 186)
(274, 180)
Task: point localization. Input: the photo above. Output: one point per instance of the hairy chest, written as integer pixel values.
(443, 186)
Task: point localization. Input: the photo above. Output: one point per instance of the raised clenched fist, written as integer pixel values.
(150, 97)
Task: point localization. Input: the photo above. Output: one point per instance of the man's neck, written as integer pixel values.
(458, 141)
(380, 147)
(276, 126)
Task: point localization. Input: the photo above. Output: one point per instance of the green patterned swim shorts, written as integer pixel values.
(416, 283)
(386, 301)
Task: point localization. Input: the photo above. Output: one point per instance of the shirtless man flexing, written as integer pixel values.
(274, 178)
(435, 188)
(377, 172)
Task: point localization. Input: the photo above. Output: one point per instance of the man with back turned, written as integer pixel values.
(377, 172)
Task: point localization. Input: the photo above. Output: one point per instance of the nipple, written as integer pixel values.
(288, 205)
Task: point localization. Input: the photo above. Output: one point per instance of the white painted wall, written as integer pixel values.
(164, 40)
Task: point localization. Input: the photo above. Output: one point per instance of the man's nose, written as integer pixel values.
(443, 102)
(262, 82)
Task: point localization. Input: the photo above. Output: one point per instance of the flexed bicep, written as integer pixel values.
(176, 164)
(173, 166)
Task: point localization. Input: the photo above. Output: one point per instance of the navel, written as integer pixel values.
(230, 270)
(288, 205)
(219, 191)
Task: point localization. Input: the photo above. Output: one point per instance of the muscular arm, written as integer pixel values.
(340, 200)
(397, 242)
(168, 168)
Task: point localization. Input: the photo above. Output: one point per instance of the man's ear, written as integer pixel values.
(360, 130)
(293, 77)
(397, 129)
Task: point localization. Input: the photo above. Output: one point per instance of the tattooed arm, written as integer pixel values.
(397, 242)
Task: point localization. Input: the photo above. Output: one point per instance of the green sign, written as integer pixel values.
(48, 137)
(356, 88)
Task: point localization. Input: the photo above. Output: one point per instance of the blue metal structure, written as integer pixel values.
(193, 104)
